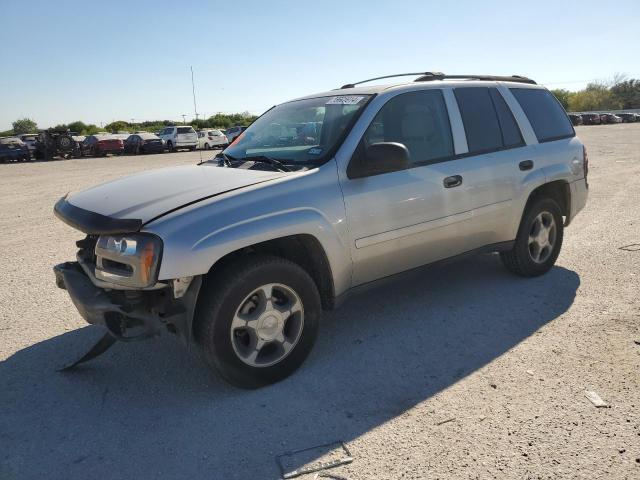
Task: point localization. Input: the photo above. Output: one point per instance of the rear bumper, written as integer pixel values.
(128, 315)
(579, 194)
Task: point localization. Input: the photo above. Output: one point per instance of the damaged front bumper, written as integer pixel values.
(129, 315)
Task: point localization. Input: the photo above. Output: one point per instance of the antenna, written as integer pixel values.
(195, 111)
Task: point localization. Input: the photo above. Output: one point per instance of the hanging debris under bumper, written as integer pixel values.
(129, 315)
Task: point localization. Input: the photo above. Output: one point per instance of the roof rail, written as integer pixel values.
(429, 76)
(424, 74)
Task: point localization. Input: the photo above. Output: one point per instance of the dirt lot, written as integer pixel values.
(463, 372)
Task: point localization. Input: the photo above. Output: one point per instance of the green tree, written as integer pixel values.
(597, 96)
(24, 125)
(563, 96)
(627, 92)
(116, 126)
(77, 126)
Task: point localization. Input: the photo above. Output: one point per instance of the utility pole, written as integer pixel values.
(184, 118)
(193, 90)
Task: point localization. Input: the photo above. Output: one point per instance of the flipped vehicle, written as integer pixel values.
(12, 149)
(143, 143)
(609, 118)
(575, 119)
(627, 117)
(239, 255)
(102, 145)
(179, 138)
(57, 143)
(591, 119)
(208, 139)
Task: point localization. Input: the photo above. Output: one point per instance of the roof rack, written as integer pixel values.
(430, 76)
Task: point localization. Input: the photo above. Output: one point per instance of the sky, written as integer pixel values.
(68, 60)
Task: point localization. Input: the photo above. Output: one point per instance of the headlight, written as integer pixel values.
(131, 260)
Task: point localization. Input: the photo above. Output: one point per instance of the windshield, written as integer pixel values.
(302, 131)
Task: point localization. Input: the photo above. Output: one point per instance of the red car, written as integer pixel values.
(102, 145)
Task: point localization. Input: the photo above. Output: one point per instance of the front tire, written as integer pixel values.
(539, 240)
(257, 320)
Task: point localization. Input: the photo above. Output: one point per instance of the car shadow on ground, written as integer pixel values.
(151, 410)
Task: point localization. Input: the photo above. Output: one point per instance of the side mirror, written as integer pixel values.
(382, 157)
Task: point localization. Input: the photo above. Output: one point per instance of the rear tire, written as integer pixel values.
(206, 146)
(257, 320)
(539, 240)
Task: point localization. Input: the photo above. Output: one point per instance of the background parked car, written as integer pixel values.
(179, 137)
(233, 132)
(30, 140)
(575, 119)
(591, 119)
(102, 145)
(610, 118)
(627, 117)
(13, 149)
(208, 139)
(143, 143)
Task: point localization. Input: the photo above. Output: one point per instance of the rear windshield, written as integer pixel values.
(546, 115)
(186, 130)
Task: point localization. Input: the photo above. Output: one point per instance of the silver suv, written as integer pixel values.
(239, 255)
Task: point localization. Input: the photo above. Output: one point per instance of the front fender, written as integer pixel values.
(197, 237)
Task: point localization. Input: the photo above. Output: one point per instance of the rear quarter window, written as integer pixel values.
(547, 117)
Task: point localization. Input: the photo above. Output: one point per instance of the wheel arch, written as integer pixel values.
(304, 250)
(559, 191)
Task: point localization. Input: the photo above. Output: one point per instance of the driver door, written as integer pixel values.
(403, 219)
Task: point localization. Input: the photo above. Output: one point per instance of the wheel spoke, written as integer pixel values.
(287, 310)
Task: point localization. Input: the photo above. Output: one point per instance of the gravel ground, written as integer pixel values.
(462, 371)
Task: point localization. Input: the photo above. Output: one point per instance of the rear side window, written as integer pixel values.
(419, 120)
(511, 136)
(479, 118)
(546, 115)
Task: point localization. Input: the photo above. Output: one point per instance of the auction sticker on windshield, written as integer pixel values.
(344, 100)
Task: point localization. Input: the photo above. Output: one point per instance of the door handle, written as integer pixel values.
(452, 181)
(526, 165)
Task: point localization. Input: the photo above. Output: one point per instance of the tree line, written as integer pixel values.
(219, 121)
(619, 94)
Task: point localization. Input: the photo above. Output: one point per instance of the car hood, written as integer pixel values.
(148, 195)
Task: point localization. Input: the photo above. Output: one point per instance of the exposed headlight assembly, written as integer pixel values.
(130, 260)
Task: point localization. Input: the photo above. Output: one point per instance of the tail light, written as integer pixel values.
(585, 163)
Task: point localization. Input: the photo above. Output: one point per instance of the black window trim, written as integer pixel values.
(522, 143)
(550, 139)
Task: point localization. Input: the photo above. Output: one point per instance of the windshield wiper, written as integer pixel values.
(271, 161)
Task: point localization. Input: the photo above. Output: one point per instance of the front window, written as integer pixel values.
(300, 132)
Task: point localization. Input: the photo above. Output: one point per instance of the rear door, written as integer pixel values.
(497, 156)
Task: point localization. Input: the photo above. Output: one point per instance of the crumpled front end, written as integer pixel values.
(128, 313)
